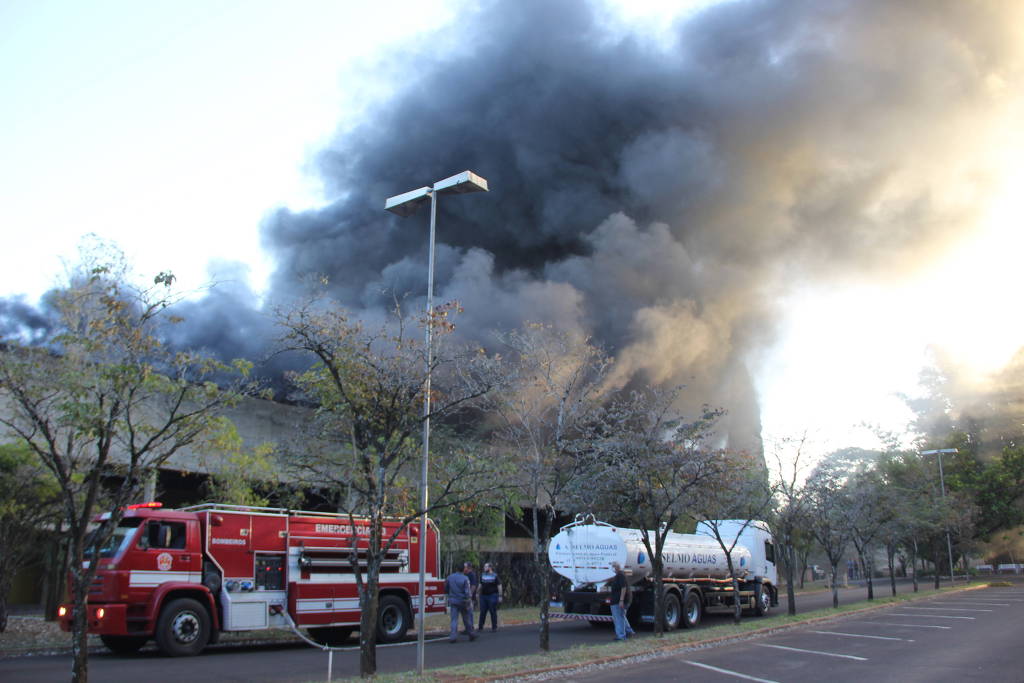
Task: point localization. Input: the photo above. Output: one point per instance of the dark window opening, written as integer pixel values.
(169, 535)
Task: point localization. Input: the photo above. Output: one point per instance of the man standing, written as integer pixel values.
(460, 601)
(620, 599)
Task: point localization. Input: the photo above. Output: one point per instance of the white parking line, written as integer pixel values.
(861, 635)
(889, 623)
(928, 616)
(983, 604)
(812, 652)
(949, 609)
(737, 674)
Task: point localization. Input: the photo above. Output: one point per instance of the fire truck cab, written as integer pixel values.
(182, 577)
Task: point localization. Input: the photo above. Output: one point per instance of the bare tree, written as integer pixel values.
(101, 399)
(547, 419)
(739, 492)
(791, 507)
(362, 447)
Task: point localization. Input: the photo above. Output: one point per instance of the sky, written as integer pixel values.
(790, 207)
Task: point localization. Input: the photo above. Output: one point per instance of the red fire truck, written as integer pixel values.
(182, 577)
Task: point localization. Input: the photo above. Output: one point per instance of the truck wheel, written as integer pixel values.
(330, 635)
(762, 599)
(124, 645)
(692, 609)
(183, 628)
(673, 612)
(392, 619)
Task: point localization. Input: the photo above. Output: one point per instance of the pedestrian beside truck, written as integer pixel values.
(490, 596)
(460, 602)
(620, 599)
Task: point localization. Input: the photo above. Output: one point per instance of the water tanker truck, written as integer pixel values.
(695, 571)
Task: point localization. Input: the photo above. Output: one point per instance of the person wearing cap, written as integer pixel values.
(620, 599)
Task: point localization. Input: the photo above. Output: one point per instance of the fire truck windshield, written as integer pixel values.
(120, 539)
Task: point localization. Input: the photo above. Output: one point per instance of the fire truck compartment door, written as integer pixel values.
(249, 611)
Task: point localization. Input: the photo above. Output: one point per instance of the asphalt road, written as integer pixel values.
(288, 663)
(970, 636)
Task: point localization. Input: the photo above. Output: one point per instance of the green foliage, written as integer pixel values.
(29, 504)
(240, 476)
(102, 398)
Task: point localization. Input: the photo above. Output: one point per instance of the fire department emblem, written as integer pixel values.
(163, 561)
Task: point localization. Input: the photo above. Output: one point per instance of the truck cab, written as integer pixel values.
(756, 537)
(152, 554)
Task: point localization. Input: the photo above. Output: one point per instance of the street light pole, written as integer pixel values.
(942, 483)
(405, 205)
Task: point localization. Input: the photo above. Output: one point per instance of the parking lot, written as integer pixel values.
(973, 635)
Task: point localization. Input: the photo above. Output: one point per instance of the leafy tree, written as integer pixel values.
(29, 504)
(241, 476)
(644, 470)
(362, 445)
(548, 417)
(829, 508)
(919, 513)
(871, 510)
(102, 396)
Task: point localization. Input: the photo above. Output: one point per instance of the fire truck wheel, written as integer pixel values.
(183, 628)
(330, 635)
(692, 608)
(392, 619)
(124, 645)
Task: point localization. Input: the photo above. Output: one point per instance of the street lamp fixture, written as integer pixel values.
(942, 483)
(403, 205)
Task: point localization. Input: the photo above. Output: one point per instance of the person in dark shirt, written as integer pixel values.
(460, 602)
(490, 596)
(474, 580)
(620, 599)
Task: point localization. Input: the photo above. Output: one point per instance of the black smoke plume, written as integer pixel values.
(661, 195)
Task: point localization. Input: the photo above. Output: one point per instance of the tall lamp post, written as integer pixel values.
(404, 205)
(942, 483)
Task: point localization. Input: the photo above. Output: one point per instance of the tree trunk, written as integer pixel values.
(938, 559)
(659, 599)
(737, 610)
(5, 589)
(369, 603)
(541, 534)
(890, 551)
(79, 633)
(869, 570)
(913, 562)
(790, 576)
(835, 584)
(803, 567)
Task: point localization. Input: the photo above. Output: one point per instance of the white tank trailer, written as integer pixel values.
(695, 570)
